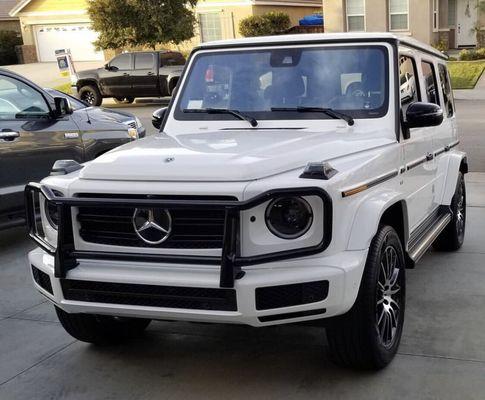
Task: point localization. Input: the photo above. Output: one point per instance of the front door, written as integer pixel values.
(466, 19)
(31, 140)
(115, 80)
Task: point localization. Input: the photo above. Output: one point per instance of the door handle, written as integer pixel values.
(126, 74)
(429, 157)
(150, 74)
(9, 136)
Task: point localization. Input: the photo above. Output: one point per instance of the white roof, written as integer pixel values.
(324, 37)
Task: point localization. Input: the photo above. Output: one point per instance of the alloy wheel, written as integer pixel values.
(89, 97)
(389, 296)
(460, 211)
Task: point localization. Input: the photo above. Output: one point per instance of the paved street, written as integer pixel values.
(442, 355)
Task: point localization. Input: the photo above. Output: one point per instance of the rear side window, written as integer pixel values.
(122, 62)
(144, 61)
(431, 88)
(171, 58)
(408, 84)
(447, 92)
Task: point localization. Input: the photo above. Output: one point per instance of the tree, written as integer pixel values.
(272, 23)
(130, 23)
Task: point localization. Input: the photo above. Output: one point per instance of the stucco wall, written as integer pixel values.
(377, 17)
(55, 5)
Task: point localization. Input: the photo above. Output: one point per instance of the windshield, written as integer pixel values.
(352, 79)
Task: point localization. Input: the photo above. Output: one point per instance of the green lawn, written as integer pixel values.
(66, 88)
(465, 74)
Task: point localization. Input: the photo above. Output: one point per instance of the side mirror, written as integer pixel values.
(157, 117)
(63, 106)
(108, 67)
(422, 115)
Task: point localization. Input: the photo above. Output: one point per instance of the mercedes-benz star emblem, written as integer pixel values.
(153, 226)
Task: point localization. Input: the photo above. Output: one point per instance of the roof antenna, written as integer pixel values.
(87, 115)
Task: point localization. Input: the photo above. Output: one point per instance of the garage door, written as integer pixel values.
(79, 38)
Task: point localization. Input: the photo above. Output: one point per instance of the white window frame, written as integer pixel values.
(436, 15)
(347, 15)
(200, 15)
(400, 13)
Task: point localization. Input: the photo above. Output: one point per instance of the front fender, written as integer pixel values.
(368, 215)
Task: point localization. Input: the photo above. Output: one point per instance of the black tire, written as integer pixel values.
(91, 95)
(129, 100)
(451, 239)
(101, 329)
(359, 339)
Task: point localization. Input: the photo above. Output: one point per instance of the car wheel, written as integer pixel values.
(101, 329)
(452, 237)
(368, 336)
(91, 95)
(129, 100)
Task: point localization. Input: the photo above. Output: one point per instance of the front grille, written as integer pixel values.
(268, 298)
(42, 279)
(131, 124)
(192, 228)
(150, 295)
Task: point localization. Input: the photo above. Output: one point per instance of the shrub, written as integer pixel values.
(472, 55)
(272, 23)
(441, 46)
(8, 41)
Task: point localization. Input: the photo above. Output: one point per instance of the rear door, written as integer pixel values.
(31, 140)
(115, 80)
(144, 77)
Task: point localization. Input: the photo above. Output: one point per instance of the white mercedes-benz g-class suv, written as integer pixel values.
(294, 178)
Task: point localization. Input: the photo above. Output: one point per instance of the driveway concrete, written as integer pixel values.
(47, 74)
(442, 354)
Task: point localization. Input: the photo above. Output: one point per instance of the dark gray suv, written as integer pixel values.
(36, 129)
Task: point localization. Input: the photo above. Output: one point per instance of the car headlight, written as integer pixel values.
(51, 212)
(133, 133)
(289, 217)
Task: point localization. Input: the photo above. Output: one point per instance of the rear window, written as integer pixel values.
(144, 61)
(171, 58)
(447, 92)
(431, 88)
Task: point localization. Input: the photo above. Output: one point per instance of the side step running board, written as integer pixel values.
(426, 238)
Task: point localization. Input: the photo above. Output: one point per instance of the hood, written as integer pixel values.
(107, 115)
(226, 155)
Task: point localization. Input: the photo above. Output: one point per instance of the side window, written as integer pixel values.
(171, 59)
(122, 62)
(20, 101)
(408, 84)
(144, 61)
(431, 88)
(447, 92)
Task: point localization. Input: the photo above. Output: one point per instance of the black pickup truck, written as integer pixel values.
(131, 75)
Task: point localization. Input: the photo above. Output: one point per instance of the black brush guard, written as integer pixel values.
(231, 261)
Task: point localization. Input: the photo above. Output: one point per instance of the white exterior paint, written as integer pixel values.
(77, 37)
(211, 160)
(466, 18)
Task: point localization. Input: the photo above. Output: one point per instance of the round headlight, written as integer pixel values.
(289, 217)
(52, 214)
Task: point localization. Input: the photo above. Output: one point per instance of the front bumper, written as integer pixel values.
(342, 271)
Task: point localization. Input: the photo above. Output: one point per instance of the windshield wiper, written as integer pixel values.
(328, 111)
(235, 113)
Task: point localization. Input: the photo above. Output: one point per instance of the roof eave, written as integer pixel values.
(14, 11)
